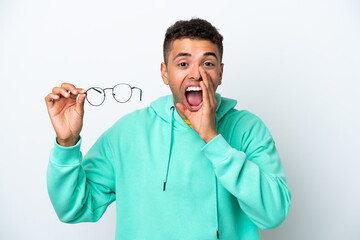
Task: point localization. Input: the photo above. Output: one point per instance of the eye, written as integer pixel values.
(208, 64)
(182, 64)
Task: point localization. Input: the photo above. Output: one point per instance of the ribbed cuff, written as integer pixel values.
(217, 150)
(66, 155)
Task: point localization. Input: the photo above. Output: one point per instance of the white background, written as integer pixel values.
(295, 64)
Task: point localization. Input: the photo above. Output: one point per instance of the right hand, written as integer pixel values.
(65, 106)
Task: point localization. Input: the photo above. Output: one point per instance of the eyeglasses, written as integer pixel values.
(121, 92)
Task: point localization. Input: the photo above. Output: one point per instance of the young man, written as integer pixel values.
(190, 166)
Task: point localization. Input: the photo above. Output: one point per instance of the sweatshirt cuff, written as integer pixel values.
(66, 155)
(217, 150)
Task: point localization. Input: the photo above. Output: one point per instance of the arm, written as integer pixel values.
(255, 177)
(79, 190)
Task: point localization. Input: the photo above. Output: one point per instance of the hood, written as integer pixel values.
(163, 105)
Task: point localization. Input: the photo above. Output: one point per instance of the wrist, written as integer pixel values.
(69, 142)
(210, 137)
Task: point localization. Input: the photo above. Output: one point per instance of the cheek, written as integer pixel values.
(216, 84)
(215, 78)
(174, 86)
(177, 78)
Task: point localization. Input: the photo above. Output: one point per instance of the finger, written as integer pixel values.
(70, 88)
(81, 90)
(61, 92)
(50, 98)
(209, 100)
(204, 76)
(209, 85)
(205, 94)
(211, 93)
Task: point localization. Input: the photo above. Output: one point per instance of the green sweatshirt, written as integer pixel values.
(168, 184)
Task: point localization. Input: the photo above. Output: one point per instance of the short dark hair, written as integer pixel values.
(195, 28)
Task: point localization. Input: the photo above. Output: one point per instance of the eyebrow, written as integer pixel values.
(185, 54)
(210, 54)
(182, 54)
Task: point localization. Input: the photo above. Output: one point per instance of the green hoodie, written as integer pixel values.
(168, 184)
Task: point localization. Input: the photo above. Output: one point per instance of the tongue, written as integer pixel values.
(194, 98)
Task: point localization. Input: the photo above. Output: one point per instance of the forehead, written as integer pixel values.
(193, 46)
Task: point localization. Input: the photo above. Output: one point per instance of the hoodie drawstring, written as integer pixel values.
(170, 145)
(172, 109)
(217, 208)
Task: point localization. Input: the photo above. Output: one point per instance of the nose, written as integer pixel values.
(194, 73)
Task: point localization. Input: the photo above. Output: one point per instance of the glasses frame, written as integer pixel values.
(113, 94)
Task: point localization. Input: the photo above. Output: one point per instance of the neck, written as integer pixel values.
(181, 114)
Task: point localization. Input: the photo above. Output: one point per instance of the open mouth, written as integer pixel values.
(194, 97)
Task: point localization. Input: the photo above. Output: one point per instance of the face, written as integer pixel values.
(182, 70)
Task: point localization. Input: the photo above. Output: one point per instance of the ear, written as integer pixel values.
(221, 73)
(164, 73)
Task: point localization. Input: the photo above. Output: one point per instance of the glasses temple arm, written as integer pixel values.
(93, 89)
(140, 92)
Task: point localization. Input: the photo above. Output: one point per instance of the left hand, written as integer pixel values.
(203, 121)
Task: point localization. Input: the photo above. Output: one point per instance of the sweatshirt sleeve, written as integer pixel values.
(81, 189)
(254, 176)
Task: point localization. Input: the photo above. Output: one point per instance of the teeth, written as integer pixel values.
(193, 89)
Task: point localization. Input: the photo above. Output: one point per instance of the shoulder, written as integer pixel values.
(243, 126)
(243, 118)
(139, 119)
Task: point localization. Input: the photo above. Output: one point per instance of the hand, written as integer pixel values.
(203, 121)
(65, 106)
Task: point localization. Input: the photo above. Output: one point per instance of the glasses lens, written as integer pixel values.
(95, 96)
(122, 92)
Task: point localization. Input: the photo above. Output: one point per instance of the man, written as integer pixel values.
(190, 166)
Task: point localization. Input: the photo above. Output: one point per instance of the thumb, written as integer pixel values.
(183, 110)
(80, 104)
